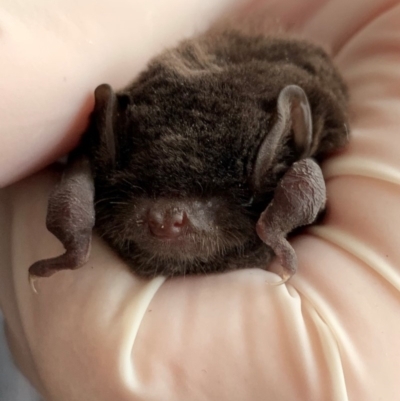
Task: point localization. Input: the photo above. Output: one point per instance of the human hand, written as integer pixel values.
(100, 333)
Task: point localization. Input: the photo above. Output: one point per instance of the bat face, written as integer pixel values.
(175, 189)
(180, 198)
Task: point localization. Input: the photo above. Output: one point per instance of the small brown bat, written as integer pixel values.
(206, 161)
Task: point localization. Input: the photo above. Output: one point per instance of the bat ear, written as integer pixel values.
(293, 115)
(107, 106)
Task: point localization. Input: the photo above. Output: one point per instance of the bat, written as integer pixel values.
(206, 161)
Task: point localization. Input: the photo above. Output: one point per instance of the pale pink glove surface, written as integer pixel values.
(332, 333)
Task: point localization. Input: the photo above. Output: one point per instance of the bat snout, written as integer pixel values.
(175, 226)
(167, 224)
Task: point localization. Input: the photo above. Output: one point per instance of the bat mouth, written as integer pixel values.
(194, 254)
(191, 245)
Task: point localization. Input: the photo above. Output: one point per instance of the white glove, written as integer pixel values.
(99, 333)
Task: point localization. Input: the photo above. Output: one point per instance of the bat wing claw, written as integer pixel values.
(286, 276)
(32, 281)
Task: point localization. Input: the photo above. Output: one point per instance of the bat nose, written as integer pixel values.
(167, 224)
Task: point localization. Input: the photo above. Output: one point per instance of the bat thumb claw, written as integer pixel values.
(287, 259)
(286, 276)
(32, 282)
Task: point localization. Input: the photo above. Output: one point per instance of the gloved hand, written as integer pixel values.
(100, 333)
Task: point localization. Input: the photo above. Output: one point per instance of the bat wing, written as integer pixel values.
(298, 198)
(70, 217)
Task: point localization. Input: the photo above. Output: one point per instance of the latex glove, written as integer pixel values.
(331, 333)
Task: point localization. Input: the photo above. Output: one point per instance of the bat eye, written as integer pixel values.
(123, 101)
(309, 67)
(249, 203)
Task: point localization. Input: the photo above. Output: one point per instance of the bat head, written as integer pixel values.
(181, 178)
(186, 158)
